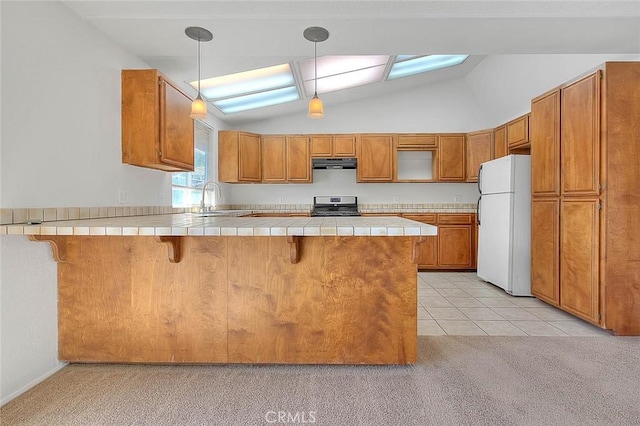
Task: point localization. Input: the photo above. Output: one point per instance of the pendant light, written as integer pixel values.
(315, 34)
(198, 106)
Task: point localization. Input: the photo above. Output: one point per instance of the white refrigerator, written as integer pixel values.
(504, 223)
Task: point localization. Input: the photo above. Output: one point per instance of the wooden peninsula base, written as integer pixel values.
(218, 299)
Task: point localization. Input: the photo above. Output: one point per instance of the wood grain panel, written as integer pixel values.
(455, 246)
(335, 306)
(249, 158)
(428, 256)
(415, 141)
(518, 132)
(176, 128)
(344, 145)
(321, 146)
(545, 249)
(274, 159)
(451, 158)
(479, 150)
(579, 258)
(121, 300)
(545, 145)
(580, 136)
(622, 191)
(375, 158)
(500, 142)
(298, 159)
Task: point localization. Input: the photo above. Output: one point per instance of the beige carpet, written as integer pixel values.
(458, 380)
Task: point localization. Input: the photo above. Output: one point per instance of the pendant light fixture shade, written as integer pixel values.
(316, 108)
(316, 35)
(198, 106)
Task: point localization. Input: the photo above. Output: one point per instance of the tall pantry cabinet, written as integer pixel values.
(585, 151)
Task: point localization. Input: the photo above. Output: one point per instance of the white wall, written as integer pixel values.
(450, 106)
(343, 182)
(60, 146)
(505, 84)
(28, 315)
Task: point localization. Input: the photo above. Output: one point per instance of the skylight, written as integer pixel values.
(406, 65)
(342, 72)
(250, 89)
(277, 84)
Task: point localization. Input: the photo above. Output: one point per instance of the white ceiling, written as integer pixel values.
(259, 33)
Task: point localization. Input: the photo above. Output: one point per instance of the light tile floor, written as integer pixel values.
(460, 303)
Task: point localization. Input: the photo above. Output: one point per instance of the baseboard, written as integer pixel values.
(32, 383)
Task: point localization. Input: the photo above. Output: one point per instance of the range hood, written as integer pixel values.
(334, 163)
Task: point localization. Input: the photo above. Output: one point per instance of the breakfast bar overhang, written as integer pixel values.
(188, 289)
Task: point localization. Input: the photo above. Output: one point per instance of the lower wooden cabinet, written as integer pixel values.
(579, 257)
(545, 265)
(455, 245)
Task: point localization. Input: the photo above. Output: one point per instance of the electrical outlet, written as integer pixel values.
(396, 199)
(457, 198)
(161, 197)
(282, 198)
(123, 196)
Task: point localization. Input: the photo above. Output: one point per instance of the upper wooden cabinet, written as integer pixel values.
(451, 158)
(479, 150)
(285, 159)
(518, 132)
(545, 144)
(375, 158)
(239, 157)
(500, 148)
(580, 137)
(417, 141)
(274, 159)
(298, 159)
(157, 131)
(328, 146)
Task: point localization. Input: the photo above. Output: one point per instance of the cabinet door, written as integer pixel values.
(414, 141)
(579, 248)
(176, 128)
(274, 159)
(580, 137)
(478, 151)
(518, 132)
(545, 145)
(500, 142)
(455, 245)
(451, 158)
(249, 163)
(375, 158)
(428, 258)
(298, 159)
(344, 146)
(545, 249)
(321, 146)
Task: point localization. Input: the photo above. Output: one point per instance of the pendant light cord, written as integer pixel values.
(199, 65)
(315, 62)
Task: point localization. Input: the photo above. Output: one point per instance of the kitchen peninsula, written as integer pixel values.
(182, 288)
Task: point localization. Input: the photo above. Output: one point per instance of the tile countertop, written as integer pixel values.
(193, 225)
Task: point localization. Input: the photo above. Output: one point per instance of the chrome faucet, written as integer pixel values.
(204, 191)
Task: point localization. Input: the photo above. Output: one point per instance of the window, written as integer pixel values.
(186, 186)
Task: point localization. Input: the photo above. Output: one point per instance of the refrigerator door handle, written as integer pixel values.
(478, 210)
(480, 179)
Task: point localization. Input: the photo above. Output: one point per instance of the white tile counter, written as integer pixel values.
(187, 224)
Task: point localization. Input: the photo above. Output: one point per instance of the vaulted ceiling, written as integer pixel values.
(260, 33)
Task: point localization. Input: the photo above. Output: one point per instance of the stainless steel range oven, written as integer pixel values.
(335, 205)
